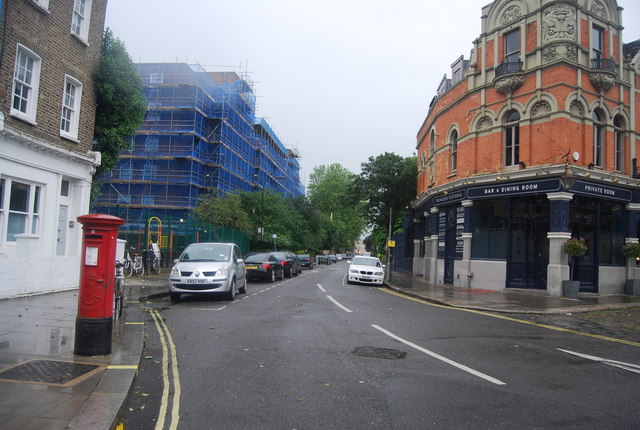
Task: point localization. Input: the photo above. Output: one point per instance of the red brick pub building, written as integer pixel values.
(533, 140)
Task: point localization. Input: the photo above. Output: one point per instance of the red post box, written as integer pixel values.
(94, 322)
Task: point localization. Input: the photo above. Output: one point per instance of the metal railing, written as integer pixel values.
(604, 64)
(509, 67)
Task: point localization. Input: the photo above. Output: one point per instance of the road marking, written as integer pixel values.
(619, 364)
(134, 323)
(338, 304)
(321, 289)
(210, 309)
(123, 367)
(165, 338)
(489, 314)
(440, 357)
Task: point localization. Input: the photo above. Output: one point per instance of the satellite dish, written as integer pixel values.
(576, 156)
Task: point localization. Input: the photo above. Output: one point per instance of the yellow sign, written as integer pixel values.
(391, 243)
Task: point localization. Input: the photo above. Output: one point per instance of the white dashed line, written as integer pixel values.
(440, 357)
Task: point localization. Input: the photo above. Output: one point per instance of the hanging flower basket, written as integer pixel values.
(631, 250)
(575, 247)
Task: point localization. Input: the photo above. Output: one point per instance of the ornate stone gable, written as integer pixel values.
(598, 9)
(512, 14)
(559, 22)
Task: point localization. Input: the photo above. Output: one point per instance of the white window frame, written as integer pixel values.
(30, 217)
(26, 77)
(70, 112)
(511, 140)
(80, 19)
(42, 4)
(618, 143)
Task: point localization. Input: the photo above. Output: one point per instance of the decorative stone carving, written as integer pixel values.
(540, 109)
(559, 22)
(576, 108)
(485, 123)
(511, 14)
(598, 9)
(559, 51)
(508, 84)
(602, 81)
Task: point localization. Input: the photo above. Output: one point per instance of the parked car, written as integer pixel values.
(263, 266)
(305, 261)
(290, 263)
(332, 259)
(366, 270)
(208, 268)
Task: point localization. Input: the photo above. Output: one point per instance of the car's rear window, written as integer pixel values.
(206, 252)
(304, 256)
(256, 258)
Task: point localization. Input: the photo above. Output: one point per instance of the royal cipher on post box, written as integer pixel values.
(94, 322)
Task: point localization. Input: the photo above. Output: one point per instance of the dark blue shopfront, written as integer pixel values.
(510, 222)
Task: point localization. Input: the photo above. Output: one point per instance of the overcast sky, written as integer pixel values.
(340, 80)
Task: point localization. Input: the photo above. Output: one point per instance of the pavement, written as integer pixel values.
(44, 385)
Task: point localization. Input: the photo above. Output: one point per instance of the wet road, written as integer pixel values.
(284, 356)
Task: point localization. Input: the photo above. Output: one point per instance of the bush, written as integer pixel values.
(575, 247)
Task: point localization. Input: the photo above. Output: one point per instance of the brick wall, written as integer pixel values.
(48, 34)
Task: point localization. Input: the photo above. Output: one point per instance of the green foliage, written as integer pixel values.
(387, 185)
(631, 250)
(575, 247)
(330, 194)
(225, 211)
(120, 103)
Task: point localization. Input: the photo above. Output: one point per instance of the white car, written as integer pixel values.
(365, 270)
(208, 268)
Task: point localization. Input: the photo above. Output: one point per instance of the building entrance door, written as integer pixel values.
(528, 248)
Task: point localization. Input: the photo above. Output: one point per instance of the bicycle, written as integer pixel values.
(154, 264)
(118, 291)
(136, 266)
(128, 264)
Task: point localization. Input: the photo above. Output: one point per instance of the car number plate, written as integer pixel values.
(196, 281)
(365, 278)
(251, 267)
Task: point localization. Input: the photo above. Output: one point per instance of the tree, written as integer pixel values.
(387, 184)
(226, 211)
(329, 193)
(120, 103)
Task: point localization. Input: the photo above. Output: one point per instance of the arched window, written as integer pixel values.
(598, 138)
(453, 140)
(432, 143)
(618, 125)
(512, 139)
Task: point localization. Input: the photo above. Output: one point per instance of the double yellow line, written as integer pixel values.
(170, 375)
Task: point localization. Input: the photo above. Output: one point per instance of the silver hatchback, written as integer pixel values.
(208, 268)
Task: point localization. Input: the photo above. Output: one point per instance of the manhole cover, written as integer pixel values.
(47, 372)
(372, 352)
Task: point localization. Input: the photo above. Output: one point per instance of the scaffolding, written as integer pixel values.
(199, 135)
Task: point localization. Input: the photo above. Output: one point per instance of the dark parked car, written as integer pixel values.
(290, 263)
(263, 266)
(305, 261)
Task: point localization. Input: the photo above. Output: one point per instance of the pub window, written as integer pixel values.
(598, 138)
(454, 150)
(618, 126)
(432, 143)
(512, 46)
(490, 228)
(612, 233)
(512, 139)
(597, 43)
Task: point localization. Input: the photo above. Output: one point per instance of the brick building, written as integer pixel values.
(48, 53)
(533, 140)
